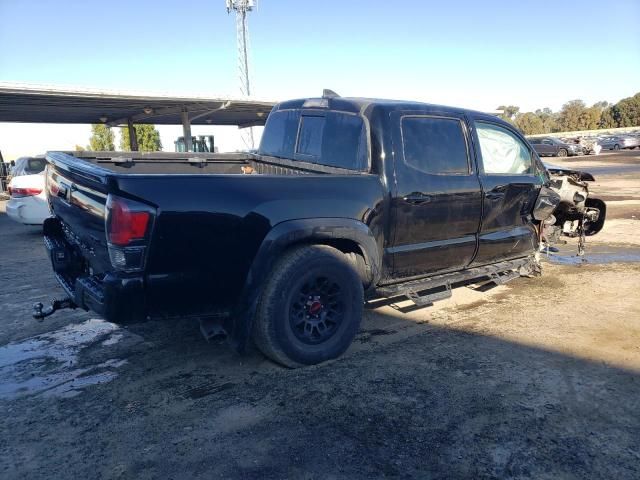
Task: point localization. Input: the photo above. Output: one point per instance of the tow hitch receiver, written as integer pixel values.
(40, 314)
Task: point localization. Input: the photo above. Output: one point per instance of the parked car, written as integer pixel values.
(27, 199)
(4, 176)
(554, 147)
(347, 199)
(27, 166)
(590, 145)
(620, 142)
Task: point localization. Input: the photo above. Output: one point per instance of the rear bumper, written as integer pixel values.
(28, 210)
(118, 299)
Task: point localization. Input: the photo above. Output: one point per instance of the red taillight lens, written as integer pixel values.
(17, 192)
(124, 224)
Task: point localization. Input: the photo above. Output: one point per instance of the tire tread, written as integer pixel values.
(263, 333)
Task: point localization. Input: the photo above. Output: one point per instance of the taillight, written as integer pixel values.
(17, 192)
(127, 226)
(124, 225)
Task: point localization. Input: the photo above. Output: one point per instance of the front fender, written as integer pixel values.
(283, 236)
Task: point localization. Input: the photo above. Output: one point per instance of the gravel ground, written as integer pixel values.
(536, 379)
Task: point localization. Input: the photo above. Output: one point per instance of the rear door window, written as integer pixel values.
(503, 152)
(435, 145)
(344, 142)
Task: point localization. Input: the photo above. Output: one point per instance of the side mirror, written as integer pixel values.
(546, 203)
(12, 163)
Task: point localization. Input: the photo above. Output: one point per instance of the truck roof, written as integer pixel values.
(364, 105)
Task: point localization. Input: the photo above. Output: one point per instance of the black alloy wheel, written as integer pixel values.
(317, 310)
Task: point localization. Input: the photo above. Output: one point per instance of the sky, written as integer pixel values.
(464, 53)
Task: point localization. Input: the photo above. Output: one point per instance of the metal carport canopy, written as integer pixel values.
(40, 104)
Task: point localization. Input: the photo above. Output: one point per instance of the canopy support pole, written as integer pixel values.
(133, 139)
(186, 131)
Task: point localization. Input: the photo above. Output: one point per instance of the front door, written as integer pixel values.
(547, 147)
(511, 180)
(437, 200)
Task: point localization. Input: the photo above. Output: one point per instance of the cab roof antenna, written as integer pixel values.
(327, 93)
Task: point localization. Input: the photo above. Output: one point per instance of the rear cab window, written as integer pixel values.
(330, 138)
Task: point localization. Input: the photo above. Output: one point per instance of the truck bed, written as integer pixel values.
(161, 163)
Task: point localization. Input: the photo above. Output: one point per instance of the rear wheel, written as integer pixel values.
(562, 152)
(616, 147)
(310, 308)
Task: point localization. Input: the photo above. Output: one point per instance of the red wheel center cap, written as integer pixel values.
(315, 307)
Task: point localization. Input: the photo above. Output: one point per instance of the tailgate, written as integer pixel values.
(77, 198)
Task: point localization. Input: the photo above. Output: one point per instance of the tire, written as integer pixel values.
(616, 147)
(310, 308)
(562, 152)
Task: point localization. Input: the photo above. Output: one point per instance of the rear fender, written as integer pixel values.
(284, 236)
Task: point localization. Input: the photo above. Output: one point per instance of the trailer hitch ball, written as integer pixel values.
(40, 313)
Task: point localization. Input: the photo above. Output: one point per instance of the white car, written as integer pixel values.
(28, 202)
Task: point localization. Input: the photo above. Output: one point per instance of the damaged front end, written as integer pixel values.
(577, 215)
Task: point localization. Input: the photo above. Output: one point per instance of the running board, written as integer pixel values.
(428, 298)
(502, 278)
(500, 273)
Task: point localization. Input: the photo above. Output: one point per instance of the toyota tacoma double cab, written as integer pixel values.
(346, 200)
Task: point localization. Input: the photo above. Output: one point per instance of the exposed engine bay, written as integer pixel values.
(578, 214)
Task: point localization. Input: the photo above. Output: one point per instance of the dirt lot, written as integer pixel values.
(536, 379)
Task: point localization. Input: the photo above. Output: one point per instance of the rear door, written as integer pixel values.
(436, 204)
(511, 180)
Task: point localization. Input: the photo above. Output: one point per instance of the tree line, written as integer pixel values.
(102, 138)
(575, 115)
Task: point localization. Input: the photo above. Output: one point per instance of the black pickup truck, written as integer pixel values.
(346, 200)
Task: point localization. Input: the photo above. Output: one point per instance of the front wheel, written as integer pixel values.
(562, 152)
(616, 147)
(311, 307)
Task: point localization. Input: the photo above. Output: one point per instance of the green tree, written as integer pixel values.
(602, 105)
(572, 115)
(591, 118)
(607, 120)
(549, 120)
(626, 112)
(147, 135)
(509, 112)
(101, 138)
(529, 123)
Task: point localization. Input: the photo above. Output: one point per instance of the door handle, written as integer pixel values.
(416, 198)
(496, 193)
